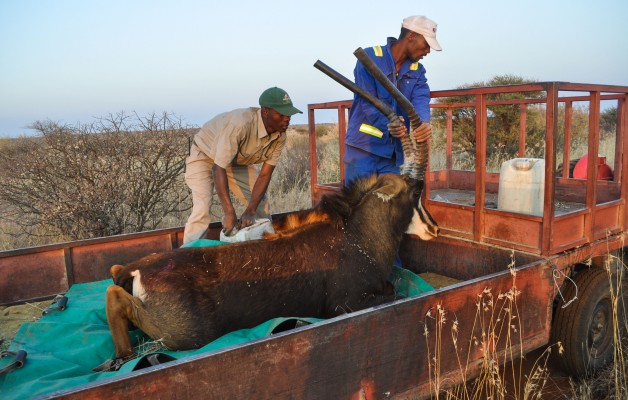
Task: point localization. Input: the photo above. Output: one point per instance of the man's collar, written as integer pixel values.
(261, 128)
(391, 40)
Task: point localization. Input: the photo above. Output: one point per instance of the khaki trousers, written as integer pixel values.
(199, 178)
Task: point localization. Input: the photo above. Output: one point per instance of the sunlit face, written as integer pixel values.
(417, 47)
(274, 121)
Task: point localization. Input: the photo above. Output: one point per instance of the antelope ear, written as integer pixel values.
(389, 187)
(115, 270)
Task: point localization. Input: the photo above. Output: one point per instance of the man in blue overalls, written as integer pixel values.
(372, 143)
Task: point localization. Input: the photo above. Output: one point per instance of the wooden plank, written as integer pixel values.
(342, 131)
(622, 129)
(577, 254)
(533, 87)
(593, 151)
(459, 259)
(449, 140)
(567, 140)
(584, 87)
(523, 114)
(562, 99)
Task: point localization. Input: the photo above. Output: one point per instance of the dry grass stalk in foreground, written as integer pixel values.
(497, 321)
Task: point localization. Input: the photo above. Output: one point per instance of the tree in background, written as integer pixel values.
(122, 173)
(502, 120)
(608, 121)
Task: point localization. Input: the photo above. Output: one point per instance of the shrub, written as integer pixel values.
(120, 174)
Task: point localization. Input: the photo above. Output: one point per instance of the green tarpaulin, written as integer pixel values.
(64, 346)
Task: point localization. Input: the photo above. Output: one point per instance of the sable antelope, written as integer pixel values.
(321, 263)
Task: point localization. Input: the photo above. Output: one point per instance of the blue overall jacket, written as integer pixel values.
(367, 125)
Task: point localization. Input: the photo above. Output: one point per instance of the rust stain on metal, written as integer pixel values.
(366, 391)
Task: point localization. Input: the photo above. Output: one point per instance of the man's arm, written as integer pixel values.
(221, 183)
(259, 190)
(365, 80)
(421, 101)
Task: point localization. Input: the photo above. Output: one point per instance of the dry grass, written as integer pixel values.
(289, 190)
(11, 318)
(497, 320)
(612, 382)
(503, 374)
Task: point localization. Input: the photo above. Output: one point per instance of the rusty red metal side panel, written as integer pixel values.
(41, 272)
(381, 351)
(438, 179)
(607, 220)
(92, 262)
(569, 230)
(512, 230)
(464, 180)
(452, 217)
(32, 275)
(320, 190)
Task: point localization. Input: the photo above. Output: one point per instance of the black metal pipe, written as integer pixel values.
(338, 77)
(406, 144)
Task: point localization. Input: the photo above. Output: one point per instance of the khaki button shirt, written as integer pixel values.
(239, 137)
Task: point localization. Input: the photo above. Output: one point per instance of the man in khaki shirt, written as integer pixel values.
(223, 154)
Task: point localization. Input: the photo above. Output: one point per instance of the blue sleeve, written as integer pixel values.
(421, 96)
(372, 115)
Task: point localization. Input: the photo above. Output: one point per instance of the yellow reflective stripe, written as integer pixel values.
(371, 130)
(414, 66)
(378, 51)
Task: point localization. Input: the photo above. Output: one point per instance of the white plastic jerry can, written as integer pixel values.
(522, 186)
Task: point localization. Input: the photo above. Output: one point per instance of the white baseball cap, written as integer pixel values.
(424, 26)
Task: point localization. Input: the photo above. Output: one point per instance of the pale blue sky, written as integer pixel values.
(72, 60)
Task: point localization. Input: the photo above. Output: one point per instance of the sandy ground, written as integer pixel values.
(12, 317)
(438, 281)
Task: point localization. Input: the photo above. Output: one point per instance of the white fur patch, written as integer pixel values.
(138, 289)
(385, 197)
(419, 228)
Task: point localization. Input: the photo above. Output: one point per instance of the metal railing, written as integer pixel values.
(601, 216)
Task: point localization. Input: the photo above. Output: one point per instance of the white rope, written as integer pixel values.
(555, 275)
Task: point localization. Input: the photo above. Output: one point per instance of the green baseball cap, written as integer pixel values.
(278, 100)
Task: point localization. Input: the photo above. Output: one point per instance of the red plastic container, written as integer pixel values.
(604, 172)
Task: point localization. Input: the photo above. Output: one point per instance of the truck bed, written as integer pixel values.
(467, 198)
(381, 350)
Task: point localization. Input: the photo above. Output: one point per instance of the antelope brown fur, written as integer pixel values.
(321, 263)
